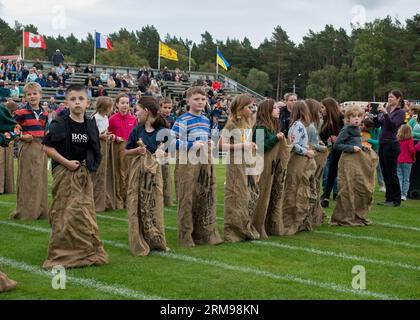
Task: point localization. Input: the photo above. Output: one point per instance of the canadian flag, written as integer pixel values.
(32, 40)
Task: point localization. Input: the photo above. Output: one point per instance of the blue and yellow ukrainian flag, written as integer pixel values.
(221, 61)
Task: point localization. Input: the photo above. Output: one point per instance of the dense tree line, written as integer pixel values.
(364, 65)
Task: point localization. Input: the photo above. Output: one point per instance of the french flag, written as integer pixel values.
(102, 41)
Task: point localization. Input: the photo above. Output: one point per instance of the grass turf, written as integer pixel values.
(310, 265)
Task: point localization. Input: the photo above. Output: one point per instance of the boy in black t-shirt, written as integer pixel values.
(73, 144)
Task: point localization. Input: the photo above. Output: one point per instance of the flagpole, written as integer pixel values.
(217, 65)
(94, 47)
(189, 60)
(23, 43)
(159, 57)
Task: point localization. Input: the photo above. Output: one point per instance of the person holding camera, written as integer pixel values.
(390, 120)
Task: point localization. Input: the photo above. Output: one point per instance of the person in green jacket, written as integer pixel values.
(370, 135)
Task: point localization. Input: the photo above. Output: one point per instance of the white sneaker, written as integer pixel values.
(382, 189)
(404, 198)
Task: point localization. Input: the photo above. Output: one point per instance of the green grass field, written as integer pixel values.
(310, 265)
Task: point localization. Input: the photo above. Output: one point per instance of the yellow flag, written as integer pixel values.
(167, 52)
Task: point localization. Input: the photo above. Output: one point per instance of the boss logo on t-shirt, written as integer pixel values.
(79, 138)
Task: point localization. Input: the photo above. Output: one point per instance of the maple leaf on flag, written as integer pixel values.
(35, 39)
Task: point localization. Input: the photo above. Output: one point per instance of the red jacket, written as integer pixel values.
(121, 125)
(408, 152)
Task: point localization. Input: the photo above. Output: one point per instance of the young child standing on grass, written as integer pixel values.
(405, 159)
(9, 131)
(73, 144)
(121, 124)
(271, 182)
(32, 179)
(356, 173)
(321, 154)
(99, 179)
(165, 109)
(241, 189)
(196, 181)
(146, 229)
(300, 168)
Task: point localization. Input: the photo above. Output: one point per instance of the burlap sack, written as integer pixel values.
(317, 213)
(295, 202)
(146, 229)
(196, 204)
(32, 182)
(110, 198)
(74, 238)
(268, 210)
(241, 195)
(99, 179)
(120, 174)
(167, 184)
(356, 177)
(6, 284)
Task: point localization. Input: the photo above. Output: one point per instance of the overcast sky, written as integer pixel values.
(254, 19)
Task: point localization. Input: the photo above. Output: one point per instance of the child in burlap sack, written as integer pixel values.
(146, 228)
(9, 131)
(103, 108)
(317, 213)
(301, 167)
(241, 189)
(196, 181)
(271, 182)
(165, 109)
(32, 178)
(356, 173)
(73, 144)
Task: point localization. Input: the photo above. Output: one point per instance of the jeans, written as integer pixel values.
(404, 171)
(329, 181)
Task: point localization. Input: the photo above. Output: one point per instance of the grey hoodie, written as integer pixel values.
(348, 138)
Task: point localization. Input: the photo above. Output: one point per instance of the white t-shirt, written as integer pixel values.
(101, 122)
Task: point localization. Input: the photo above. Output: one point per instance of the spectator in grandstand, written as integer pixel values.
(53, 106)
(38, 65)
(89, 69)
(53, 73)
(100, 92)
(32, 76)
(60, 70)
(4, 91)
(57, 58)
(50, 83)
(15, 91)
(10, 70)
(60, 94)
(111, 82)
(143, 82)
(41, 80)
(89, 81)
(24, 74)
(61, 81)
(104, 76)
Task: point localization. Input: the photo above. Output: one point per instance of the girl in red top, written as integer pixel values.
(406, 158)
(120, 125)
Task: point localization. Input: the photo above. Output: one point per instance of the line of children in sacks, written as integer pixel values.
(272, 183)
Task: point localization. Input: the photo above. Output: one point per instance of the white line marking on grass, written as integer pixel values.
(7, 202)
(258, 272)
(175, 210)
(375, 239)
(284, 277)
(25, 226)
(396, 226)
(123, 220)
(340, 255)
(88, 283)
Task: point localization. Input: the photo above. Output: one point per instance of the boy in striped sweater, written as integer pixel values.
(32, 179)
(195, 180)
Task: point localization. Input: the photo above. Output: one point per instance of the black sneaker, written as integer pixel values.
(325, 203)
